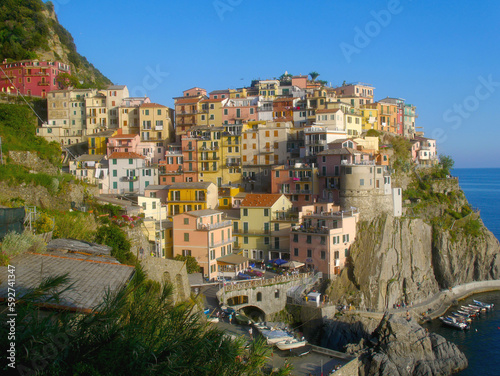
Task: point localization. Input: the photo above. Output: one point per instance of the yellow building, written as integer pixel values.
(353, 123)
(155, 122)
(97, 142)
(184, 197)
(228, 197)
(211, 112)
(261, 233)
(231, 159)
(369, 118)
(160, 236)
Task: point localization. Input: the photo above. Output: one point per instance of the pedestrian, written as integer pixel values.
(230, 318)
(250, 331)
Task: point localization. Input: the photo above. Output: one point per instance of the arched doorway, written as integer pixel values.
(255, 313)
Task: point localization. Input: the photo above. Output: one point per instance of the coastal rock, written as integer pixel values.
(346, 332)
(404, 348)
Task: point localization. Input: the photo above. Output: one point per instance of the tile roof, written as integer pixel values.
(128, 155)
(203, 213)
(116, 87)
(188, 100)
(260, 200)
(150, 105)
(91, 275)
(89, 157)
(342, 151)
(327, 110)
(213, 100)
(190, 185)
(156, 187)
(233, 259)
(128, 135)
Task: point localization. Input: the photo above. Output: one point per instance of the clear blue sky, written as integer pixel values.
(435, 54)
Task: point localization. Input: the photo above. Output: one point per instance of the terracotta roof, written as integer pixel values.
(128, 135)
(260, 200)
(327, 110)
(213, 100)
(152, 105)
(128, 155)
(188, 100)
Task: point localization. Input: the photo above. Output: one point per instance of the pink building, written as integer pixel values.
(31, 77)
(124, 143)
(240, 110)
(171, 168)
(341, 152)
(299, 183)
(323, 239)
(424, 151)
(206, 236)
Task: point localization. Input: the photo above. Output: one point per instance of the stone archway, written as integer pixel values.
(255, 313)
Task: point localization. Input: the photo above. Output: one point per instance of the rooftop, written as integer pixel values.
(260, 200)
(89, 157)
(203, 213)
(152, 105)
(126, 155)
(190, 185)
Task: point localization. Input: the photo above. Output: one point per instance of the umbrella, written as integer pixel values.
(279, 262)
(293, 264)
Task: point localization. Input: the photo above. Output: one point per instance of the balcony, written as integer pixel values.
(223, 242)
(43, 83)
(128, 178)
(263, 232)
(361, 163)
(233, 164)
(267, 150)
(158, 127)
(208, 148)
(177, 172)
(296, 191)
(213, 226)
(207, 158)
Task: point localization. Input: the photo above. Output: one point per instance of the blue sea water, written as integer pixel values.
(481, 344)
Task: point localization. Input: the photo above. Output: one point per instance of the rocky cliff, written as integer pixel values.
(438, 244)
(400, 347)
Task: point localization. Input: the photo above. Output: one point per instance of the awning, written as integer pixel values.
(293, 264)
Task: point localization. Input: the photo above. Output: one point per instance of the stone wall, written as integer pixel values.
(370, 205)
(445, 185)
(33, 162)
(349, 369)
(172, 271)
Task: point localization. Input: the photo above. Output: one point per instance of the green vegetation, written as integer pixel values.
(18, 127)
(74, 225)
(314, 75)
(372, 133)
(191, 263)
(401, 160)
(25, 32)
(114, 237)
(135, 331)
(14, 244)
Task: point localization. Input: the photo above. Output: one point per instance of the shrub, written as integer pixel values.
(114, 237)
(14, 244)
(44, 224)
(74, 225)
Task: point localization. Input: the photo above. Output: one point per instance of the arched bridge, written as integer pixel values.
(268, 295)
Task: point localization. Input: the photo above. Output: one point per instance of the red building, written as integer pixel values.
(31, 77)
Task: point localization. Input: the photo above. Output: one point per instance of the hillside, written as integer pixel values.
(29, 29)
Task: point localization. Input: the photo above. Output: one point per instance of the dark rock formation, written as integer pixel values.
(400, 347)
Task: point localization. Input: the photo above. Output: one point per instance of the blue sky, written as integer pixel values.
(441, 56)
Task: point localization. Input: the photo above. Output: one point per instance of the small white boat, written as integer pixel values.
(454, 323)
(275, 336)
(485, 305)
(483, 309)
(290, 344)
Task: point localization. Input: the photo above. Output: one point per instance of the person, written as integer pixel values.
(230, 318)
(250, 331)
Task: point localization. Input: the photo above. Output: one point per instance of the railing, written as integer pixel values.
(177, 172)
(212, 226)
(224, 242)
(43, 83)
(252, 232)
(266, 282)
(296, 191)
(173, 152)
(207, 158)
(362, 163)
(129, 178)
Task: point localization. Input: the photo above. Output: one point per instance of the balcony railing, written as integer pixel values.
(129, 178)
(296, 191)
(361, 163)
(224, 242)
(212, 226)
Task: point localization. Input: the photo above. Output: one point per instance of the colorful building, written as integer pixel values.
(323, 239)
(31, 77)
(185, 197)
(298, 182)
(128, 173)
(204, 235)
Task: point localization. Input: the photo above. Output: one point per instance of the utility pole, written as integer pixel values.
(1, 153)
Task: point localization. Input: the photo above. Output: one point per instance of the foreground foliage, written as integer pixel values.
(137, 331)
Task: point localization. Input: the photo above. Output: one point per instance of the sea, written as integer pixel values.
(480, 344)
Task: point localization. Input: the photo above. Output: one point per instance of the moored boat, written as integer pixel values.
(485, 305)
(290, 344)
(454, 323)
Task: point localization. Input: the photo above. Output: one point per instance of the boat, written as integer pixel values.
(473, 306)
(275, 336)
(454, 323)
(461, 317)
(290, 344)
(485, 305)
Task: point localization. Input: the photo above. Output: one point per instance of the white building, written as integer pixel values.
(128, 173)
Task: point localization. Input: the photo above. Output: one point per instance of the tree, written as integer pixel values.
(285, 78)
(137, 330)
(447, 163)
(114, 237)
(192, 265)
(66, 80)
(314, 75)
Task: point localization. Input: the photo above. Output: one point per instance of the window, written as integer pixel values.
(266, 240)
(186, 221)
(266, 212)
(322, 240)
(336, 255)
(259, 296)
(309, 253)
(114, 161)
(309, 239)
(276, 294)
(115, 185)
(186, 237)
(186, 252)
(295, 238)
(295, 251)
(153, 205)
(130, 161)
(245, 212)
(361, 182)
(346, 252)
(323, 255)
(245, 240)
(276, 227)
